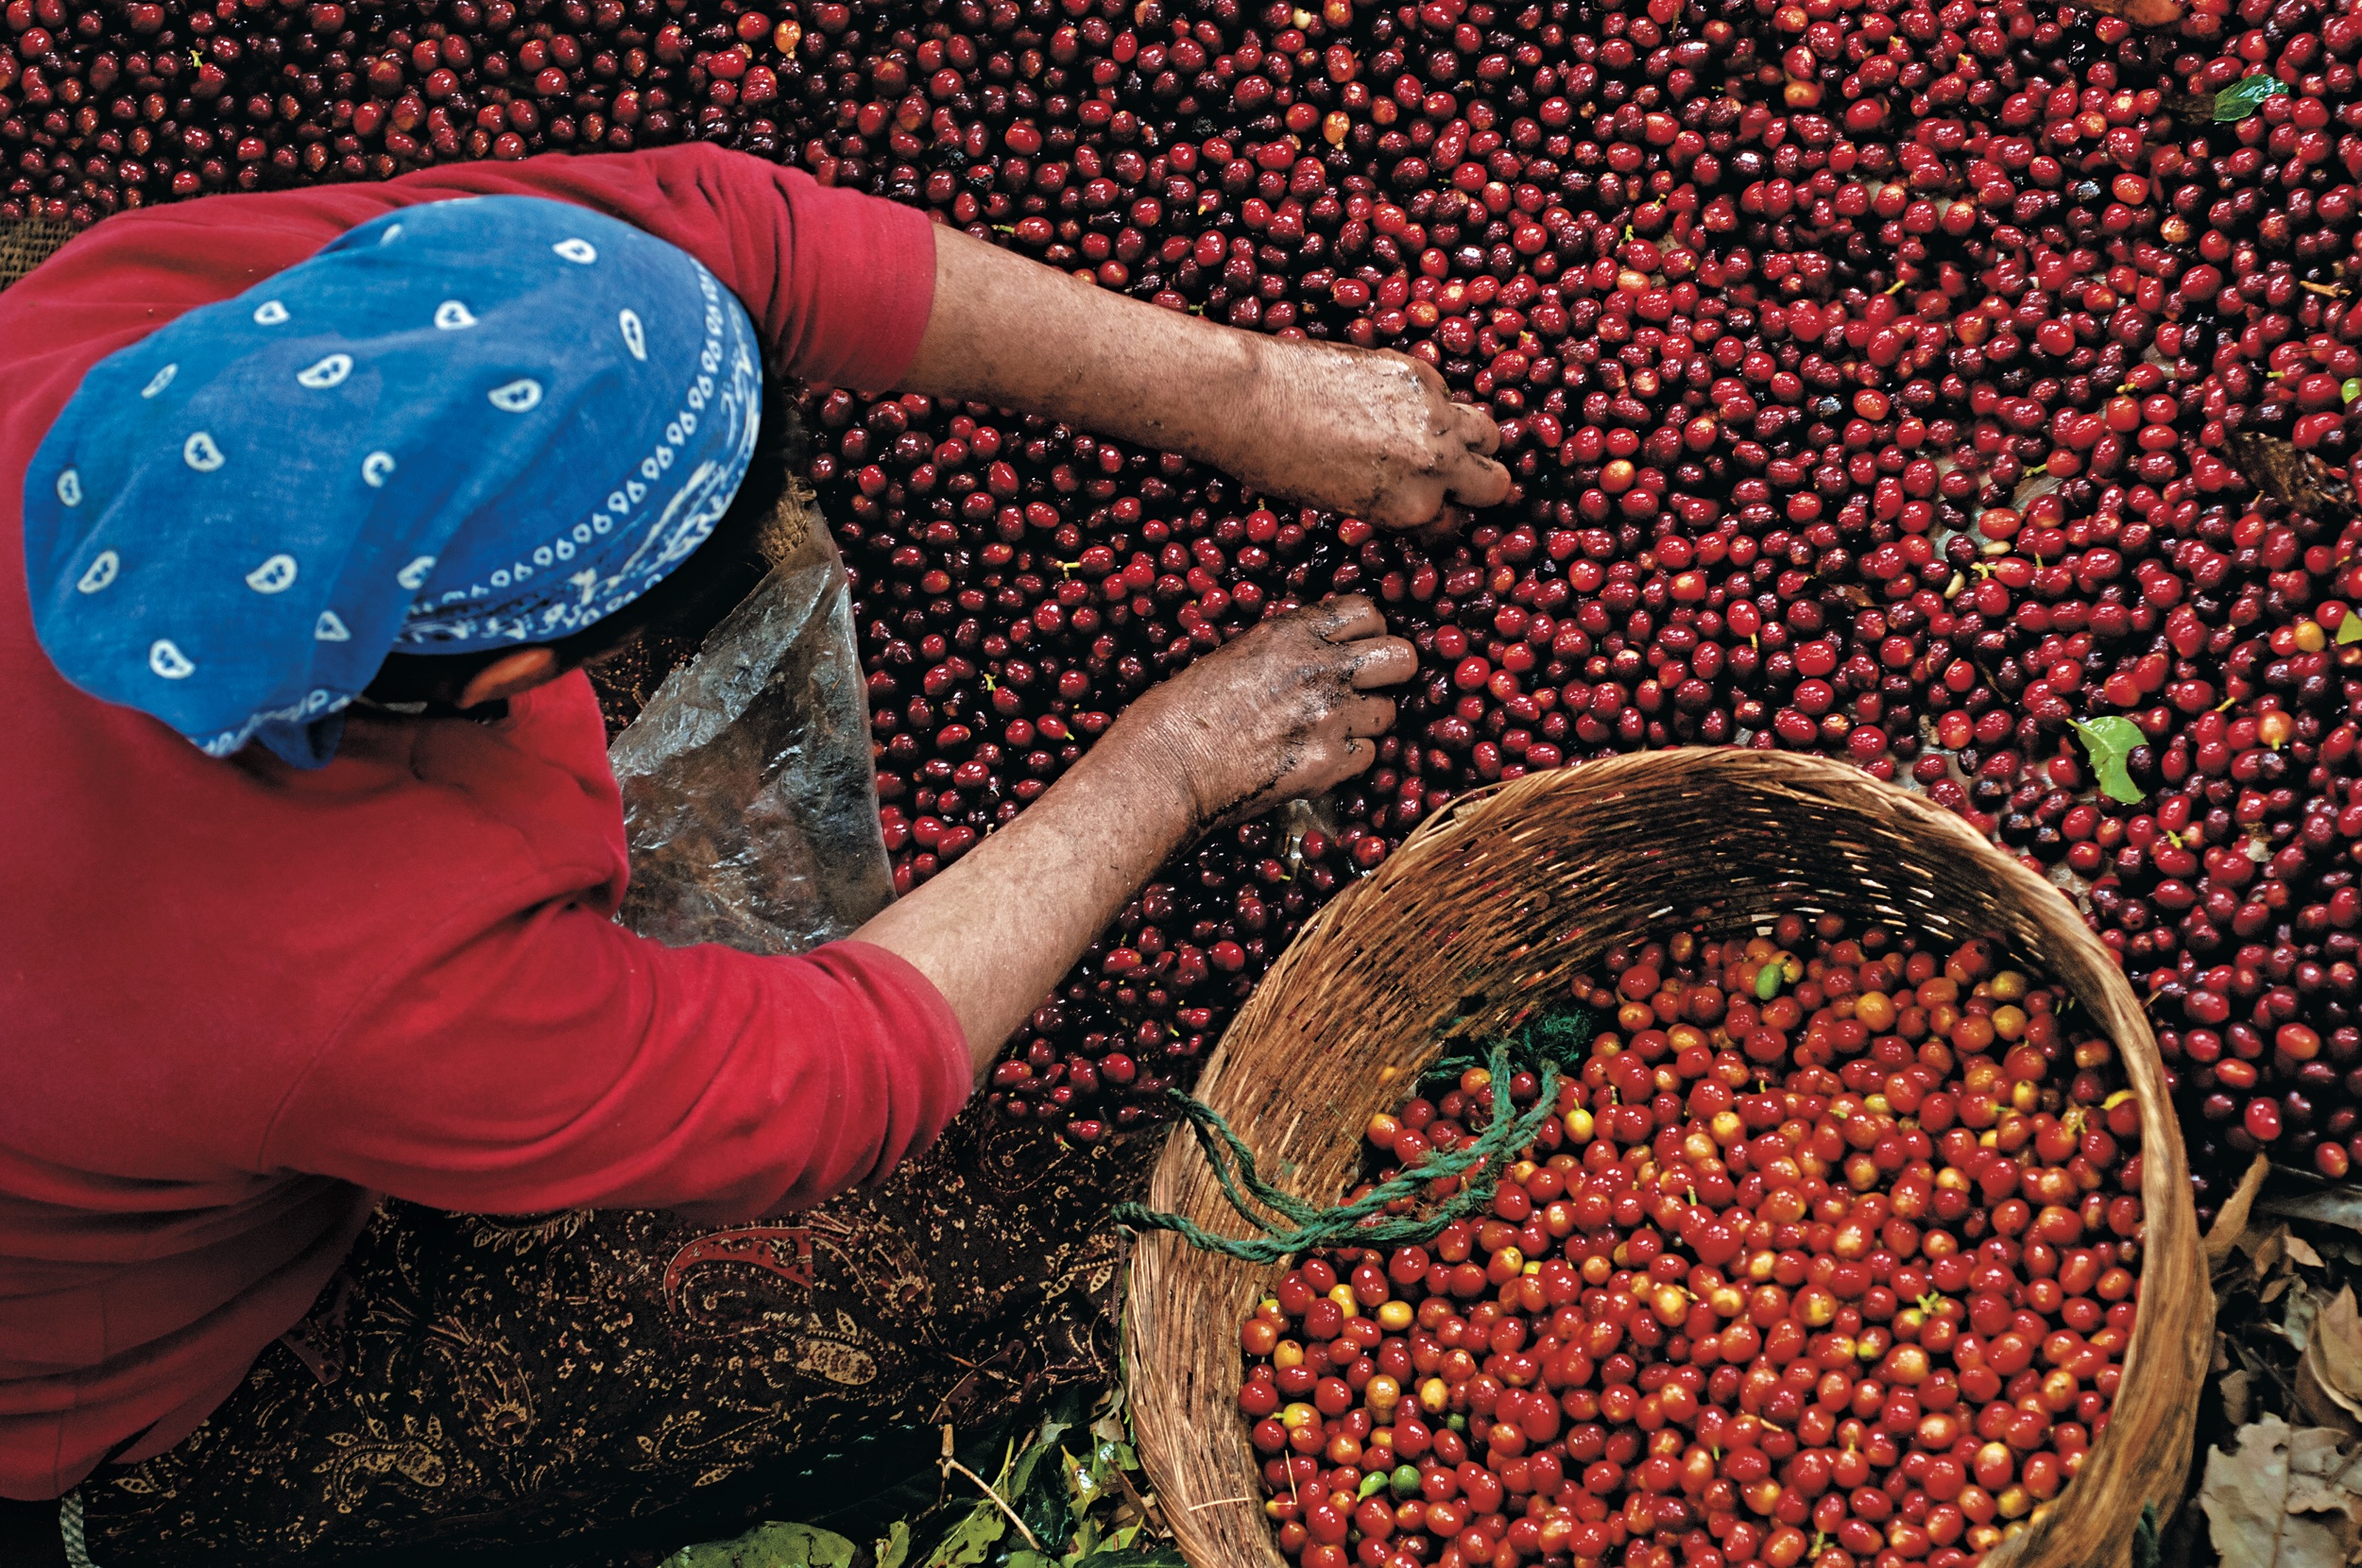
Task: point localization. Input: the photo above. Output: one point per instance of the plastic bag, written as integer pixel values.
(750, 795)
(983, 1271)
(978, 1277)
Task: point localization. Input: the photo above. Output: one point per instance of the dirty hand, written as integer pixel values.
(1281, 711)
(1369, 433)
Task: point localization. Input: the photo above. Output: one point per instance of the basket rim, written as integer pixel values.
(1816, 782)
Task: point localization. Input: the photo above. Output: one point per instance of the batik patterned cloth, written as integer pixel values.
(470, 1383)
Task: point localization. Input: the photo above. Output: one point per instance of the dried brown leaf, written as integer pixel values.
(2297, 480)
(2238, 1397)
(2296, 1317)
(2329, 1373)
(2268, 1250)
(2193, 109)
(2318, 1405)
(2338, 1206)
(2230, 1220)
(2286, 1497)
(2302, 1250)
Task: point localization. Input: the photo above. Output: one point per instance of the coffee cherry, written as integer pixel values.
(1870, 382)
(1734, 1319)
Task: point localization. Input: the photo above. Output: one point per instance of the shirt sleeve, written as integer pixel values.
(556, 1060)
(839, 283)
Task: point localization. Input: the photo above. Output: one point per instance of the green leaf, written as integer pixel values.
(770, 1547)
(1040, 1492)
(1086, 1482)
(2350, 629)
(2245, 96)
(1129, 1556)
(971, 1541)
(2110, 741)
(896, 1548)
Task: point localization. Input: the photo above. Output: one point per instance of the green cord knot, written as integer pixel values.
(1562, 1036)
(1550, 1043)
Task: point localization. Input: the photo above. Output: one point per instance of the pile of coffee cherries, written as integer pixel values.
(1874, 372)
(1830, 1257)
(1872, 414)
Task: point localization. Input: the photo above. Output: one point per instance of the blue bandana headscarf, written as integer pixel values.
(465, 425)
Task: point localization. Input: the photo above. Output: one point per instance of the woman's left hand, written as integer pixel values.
(1366, 432)
(1369, 433)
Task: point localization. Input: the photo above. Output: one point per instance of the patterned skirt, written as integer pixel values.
(472, 1383)
(512, 1385)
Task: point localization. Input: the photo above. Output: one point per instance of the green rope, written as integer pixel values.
(1563, 1036)
(1548, 1042)
(2144, 1538)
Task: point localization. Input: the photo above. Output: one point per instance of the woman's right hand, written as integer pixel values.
(1285, 710)
(1288, 708)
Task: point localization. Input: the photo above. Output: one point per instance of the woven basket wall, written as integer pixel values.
(24, 245)
(1490, 908)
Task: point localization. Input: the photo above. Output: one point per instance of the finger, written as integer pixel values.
(1480, 482)
(1412, 503)
(1477, 428)
(1368, 716)
(1321, 769)
(1447, 522)
(1387, 661)
(1347, 619)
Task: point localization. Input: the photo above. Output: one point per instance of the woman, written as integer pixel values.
(327, 495)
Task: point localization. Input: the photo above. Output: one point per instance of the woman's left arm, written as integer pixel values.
(850, 290)
(1368, 433)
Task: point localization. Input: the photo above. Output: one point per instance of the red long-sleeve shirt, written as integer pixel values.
(240, 1002)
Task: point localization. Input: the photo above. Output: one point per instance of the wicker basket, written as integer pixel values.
(25, 245)
(1494, 904)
